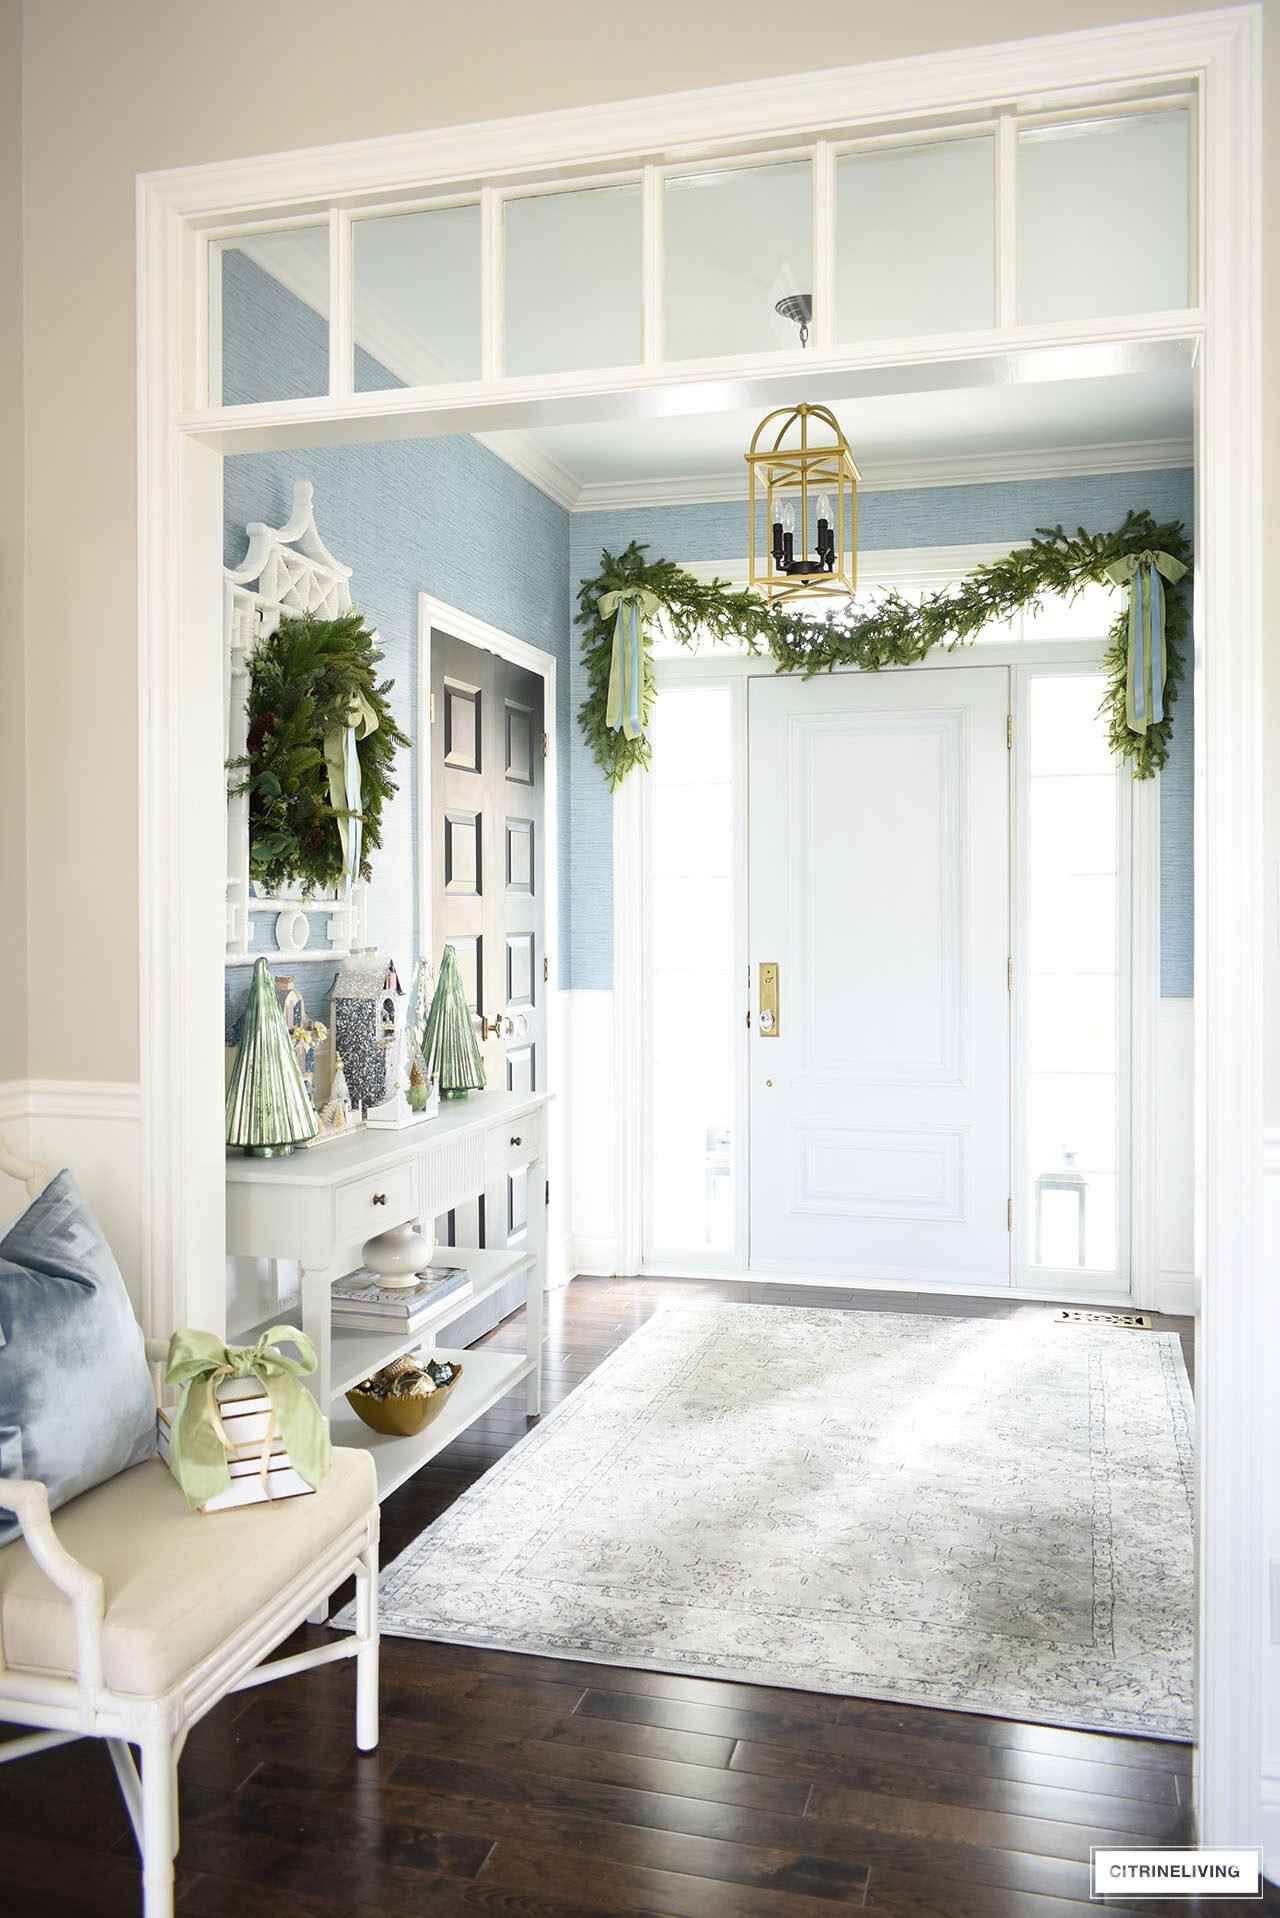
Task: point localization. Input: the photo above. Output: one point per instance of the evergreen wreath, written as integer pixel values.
(896, 632)
(303, 680)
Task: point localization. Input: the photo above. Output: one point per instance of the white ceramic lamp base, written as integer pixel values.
(398, 1255)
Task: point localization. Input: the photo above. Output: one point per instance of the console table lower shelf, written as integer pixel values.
(486, 1378)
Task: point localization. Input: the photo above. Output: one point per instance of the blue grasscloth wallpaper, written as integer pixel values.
(443, 516)
(446, 516)
(934, 516)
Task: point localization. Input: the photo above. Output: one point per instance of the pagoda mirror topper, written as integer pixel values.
(804, 497)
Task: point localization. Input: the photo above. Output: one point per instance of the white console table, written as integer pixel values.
(319, 1206)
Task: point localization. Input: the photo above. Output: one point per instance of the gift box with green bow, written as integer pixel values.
(199, 1449)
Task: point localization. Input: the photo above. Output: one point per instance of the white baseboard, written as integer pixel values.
(1178, 1293)
(93, 1126)
(594, 1257)
(591, 1225)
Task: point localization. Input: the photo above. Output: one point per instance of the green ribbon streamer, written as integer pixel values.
(343, 763)
(624, 705)
(197, 1361)
(1148, 655)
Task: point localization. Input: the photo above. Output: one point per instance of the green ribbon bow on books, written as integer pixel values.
(1144, 574)
(624, 710)
(199, 1447)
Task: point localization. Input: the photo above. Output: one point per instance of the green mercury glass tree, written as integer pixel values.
(268, 1110)
(449, 1042)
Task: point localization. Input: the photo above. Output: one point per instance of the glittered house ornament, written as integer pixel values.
(369, 1010)
(412, 1092)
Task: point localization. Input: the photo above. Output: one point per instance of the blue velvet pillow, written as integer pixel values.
(77, 1404)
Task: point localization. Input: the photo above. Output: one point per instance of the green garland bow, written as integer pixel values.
(198, 1450)
(895, 632)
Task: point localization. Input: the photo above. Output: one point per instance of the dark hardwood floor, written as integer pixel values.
(548, 1789)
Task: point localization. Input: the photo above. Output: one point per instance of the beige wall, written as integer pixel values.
(13, 825)
(140, 84)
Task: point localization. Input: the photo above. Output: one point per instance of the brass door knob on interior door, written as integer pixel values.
(499, 1028)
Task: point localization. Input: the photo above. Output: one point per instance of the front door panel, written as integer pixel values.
(879, 863)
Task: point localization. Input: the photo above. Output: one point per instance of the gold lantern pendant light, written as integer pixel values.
(803, 505)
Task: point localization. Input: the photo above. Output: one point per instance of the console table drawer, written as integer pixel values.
(517, 1143)
(365, 1206)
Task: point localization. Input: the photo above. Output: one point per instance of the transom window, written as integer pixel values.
(936, 232)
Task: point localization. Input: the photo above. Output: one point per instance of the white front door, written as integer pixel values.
(879, 888)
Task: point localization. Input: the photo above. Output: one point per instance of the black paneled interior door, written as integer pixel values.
(488, 778)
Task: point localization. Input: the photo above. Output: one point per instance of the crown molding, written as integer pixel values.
(524, 456)
(698, 122)
(906, 475)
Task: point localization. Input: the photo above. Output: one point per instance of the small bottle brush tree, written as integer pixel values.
(449, 1042)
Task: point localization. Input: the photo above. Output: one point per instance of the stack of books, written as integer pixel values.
(245, 1411)
(363, 1303)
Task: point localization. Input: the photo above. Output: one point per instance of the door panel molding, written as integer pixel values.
(883, 1151)
(947, 731)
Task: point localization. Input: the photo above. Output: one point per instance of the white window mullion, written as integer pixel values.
(824, 244)
(1006, 220)
(492, 286)
(653, 266)
(341, 333)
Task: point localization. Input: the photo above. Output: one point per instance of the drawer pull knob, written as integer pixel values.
(516, 1139)
(379, 1198)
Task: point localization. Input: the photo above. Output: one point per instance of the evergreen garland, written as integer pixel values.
(302, 682)
(895, 632)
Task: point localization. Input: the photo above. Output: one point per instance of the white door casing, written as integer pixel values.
(181, 848)
(879, 884)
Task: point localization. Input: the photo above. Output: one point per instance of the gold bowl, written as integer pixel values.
(401, 1417)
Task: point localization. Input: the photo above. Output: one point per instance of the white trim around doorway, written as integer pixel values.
(1157, 1028)
(182, 794)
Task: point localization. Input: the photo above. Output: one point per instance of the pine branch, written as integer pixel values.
(896, 632)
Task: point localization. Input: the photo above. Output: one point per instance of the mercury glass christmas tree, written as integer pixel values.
(449, 1042)
(268, 1110)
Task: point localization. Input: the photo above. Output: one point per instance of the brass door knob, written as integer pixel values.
(499, 1028)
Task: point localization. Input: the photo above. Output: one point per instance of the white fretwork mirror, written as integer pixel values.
(286, 571)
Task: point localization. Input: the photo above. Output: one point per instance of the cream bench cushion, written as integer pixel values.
(176, 1583)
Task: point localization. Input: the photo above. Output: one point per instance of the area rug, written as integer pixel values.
(992, 1515)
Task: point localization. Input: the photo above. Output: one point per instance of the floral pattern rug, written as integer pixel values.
(992, 1515)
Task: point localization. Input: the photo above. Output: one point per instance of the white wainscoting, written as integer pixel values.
(93, 1126)
(595, 1173)
(1177, 1285)
(591, 1241)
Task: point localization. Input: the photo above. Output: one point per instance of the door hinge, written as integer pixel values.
(431, 710)
(546, 971)
(1011, 1215)
(1010, 975)
(546, 746)
(1008, 732)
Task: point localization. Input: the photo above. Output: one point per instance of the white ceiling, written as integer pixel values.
(1130, 420)
(1124, 420)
